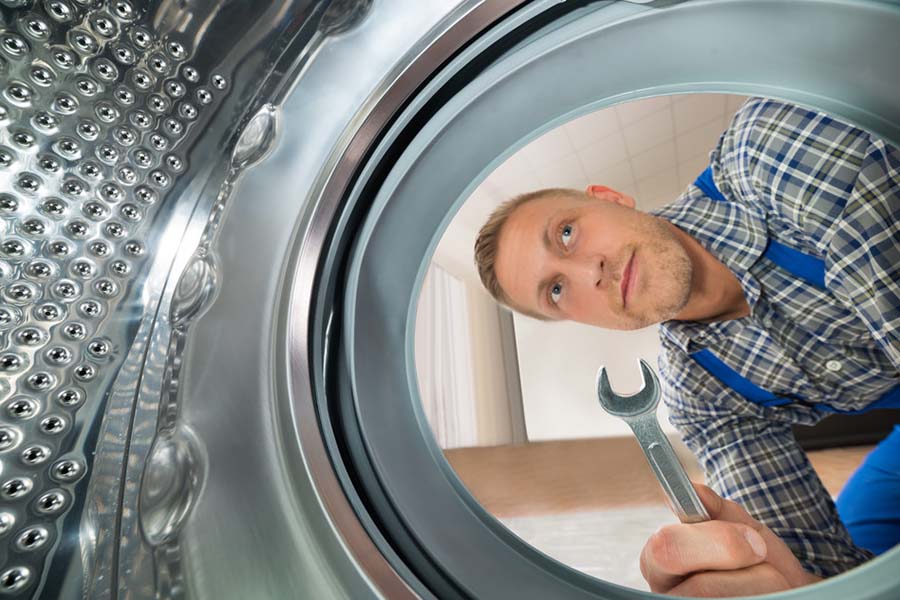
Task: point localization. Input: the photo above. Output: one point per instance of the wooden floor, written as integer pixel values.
(594, 474)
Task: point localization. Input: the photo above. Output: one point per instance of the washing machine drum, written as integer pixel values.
(206, 369)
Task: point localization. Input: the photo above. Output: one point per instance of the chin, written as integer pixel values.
(625, 323)
(648, 318)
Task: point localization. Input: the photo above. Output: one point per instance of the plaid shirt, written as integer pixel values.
(830, 190)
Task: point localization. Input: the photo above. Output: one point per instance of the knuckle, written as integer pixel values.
(662, 550)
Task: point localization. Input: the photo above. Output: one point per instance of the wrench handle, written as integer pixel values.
(669, 471)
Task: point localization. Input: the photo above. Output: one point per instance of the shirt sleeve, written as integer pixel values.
(834, 189)
(863, 260)
(751, 457)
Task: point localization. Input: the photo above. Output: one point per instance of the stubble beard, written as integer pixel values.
(670, 280)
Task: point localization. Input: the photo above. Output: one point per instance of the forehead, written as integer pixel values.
(537, 211)
(524, 222)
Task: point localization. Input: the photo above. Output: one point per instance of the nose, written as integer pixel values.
(590, 269)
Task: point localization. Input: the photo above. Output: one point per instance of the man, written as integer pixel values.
(776, 281)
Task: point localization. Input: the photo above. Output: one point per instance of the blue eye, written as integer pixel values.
(565, 235)
(555, 293)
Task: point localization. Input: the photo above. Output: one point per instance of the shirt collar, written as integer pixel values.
(734, 232)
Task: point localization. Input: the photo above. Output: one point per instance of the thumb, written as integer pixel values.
(778, 554)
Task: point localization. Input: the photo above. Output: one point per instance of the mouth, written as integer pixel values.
(627, 282)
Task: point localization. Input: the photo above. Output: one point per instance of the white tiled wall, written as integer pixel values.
(650, 149)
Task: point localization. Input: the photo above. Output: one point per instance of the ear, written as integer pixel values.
(607, 194)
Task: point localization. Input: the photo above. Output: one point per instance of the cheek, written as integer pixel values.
(662, 272)
(589, 301)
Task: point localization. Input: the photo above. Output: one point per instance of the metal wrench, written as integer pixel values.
(639, 411)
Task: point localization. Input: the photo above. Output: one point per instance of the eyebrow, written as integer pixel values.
(548, 245)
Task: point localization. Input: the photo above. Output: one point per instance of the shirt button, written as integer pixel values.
(833, 365)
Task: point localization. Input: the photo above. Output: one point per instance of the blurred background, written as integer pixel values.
(512, 400)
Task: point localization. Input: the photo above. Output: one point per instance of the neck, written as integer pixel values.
(716, 293)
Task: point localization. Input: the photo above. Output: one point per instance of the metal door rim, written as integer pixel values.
(395, 312)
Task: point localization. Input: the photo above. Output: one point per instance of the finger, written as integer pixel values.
(679, 550)
(758, 579)
(723, 510)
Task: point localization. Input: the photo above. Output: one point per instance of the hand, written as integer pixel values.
(731, 555)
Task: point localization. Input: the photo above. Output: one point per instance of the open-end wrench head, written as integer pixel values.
(628, 406)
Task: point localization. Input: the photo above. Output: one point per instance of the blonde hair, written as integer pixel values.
(487, 243)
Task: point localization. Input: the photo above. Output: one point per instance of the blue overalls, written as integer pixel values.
(869, 504)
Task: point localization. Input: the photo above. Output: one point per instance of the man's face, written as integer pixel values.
(595, 260)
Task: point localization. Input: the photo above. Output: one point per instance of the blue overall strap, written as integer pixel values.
(705, 182)
(889, 400)
(803, 266)
(758, 395)
(735, 380)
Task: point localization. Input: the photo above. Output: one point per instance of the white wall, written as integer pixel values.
(558, 365)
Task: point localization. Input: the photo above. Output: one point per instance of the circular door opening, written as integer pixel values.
(462, 123)
(511, 400)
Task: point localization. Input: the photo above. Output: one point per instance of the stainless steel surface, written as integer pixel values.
(102, 111)
(262, 386)
(639, 411)
(124, 133)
